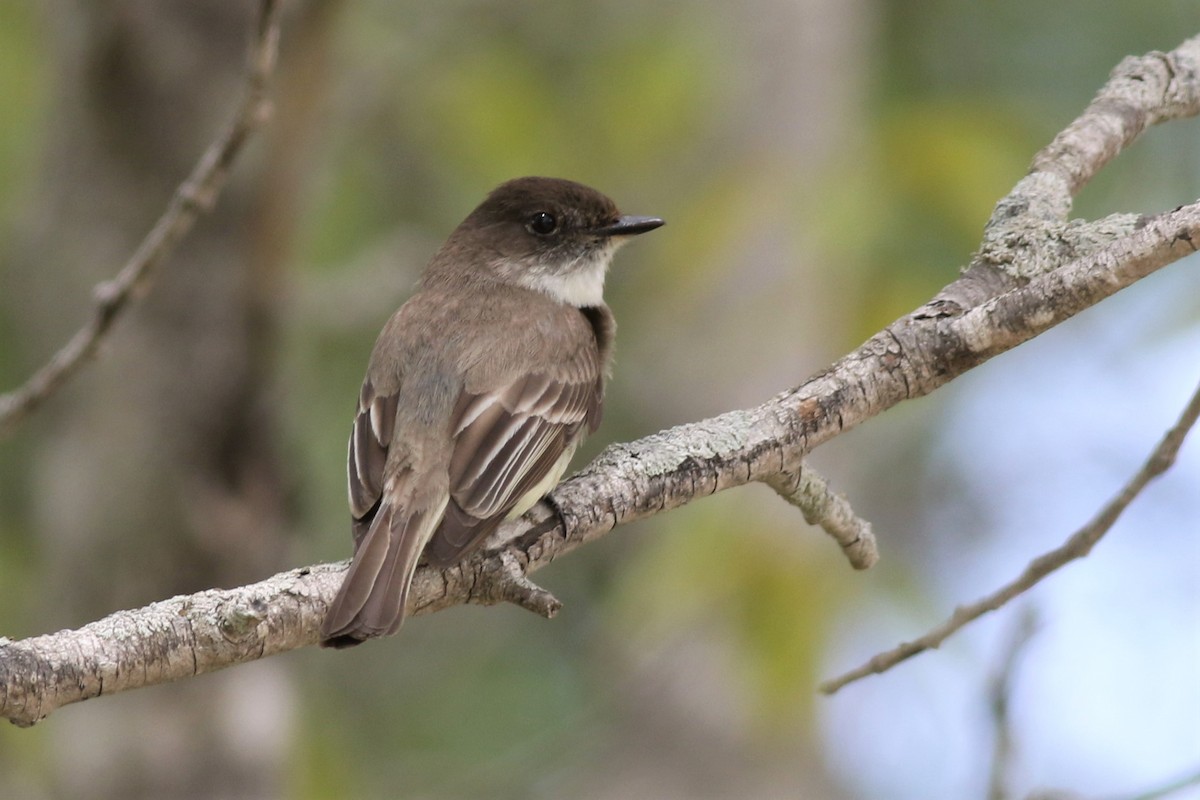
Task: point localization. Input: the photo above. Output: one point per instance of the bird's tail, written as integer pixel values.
(374, 592)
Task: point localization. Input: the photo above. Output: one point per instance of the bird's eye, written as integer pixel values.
(542, 223)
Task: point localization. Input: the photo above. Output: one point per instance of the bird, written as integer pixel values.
(478, 390)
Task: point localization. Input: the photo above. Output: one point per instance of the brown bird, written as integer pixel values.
(478, 390)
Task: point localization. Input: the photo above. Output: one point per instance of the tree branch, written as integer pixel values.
(1028, 277)
(810, 492)
(1077, 546)
(197, 194)
(1169, 788)
(1000, 689)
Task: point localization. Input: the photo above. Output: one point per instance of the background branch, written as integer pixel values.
(1077, 546)
(1168, 789)
(196, 195)
(1047, 277)
(999, 692)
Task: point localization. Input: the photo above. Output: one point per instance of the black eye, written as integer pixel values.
(542, 223)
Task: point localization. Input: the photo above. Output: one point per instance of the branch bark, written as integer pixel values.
(1033, 271)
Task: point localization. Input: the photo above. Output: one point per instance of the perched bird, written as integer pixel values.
(478, 390)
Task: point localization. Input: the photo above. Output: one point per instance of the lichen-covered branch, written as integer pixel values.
(810, 492)
(1030, 232)
(1034, 276)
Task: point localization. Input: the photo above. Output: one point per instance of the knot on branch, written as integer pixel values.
(239, 620)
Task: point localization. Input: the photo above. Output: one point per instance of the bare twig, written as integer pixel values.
(1077, 546)
(999, 696)
(808, 490)
(1167, 789)
(196, 195)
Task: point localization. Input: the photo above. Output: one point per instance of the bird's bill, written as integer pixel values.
(628, 226)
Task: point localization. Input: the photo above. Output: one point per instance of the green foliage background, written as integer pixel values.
(427, 107)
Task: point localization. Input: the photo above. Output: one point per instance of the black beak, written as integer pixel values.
(628, 226)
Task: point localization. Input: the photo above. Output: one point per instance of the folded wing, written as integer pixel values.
(507, 443)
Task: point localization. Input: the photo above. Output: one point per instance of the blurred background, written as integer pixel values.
(825, 166)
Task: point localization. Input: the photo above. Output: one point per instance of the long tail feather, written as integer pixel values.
(372, 599)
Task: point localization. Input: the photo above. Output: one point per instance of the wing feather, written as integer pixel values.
(369, 441)
(507, 441)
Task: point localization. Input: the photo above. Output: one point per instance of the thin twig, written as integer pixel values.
(1077, 546)
(1171, 787)
(999, 700)
(197, 194)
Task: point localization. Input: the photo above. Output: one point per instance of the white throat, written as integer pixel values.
(581, 286)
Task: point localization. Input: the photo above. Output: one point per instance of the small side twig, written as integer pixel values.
(197, 194)
(1077, 546)
(806, 489)
(505, 581)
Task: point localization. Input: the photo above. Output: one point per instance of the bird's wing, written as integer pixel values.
(507, 442)
(369, 440)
